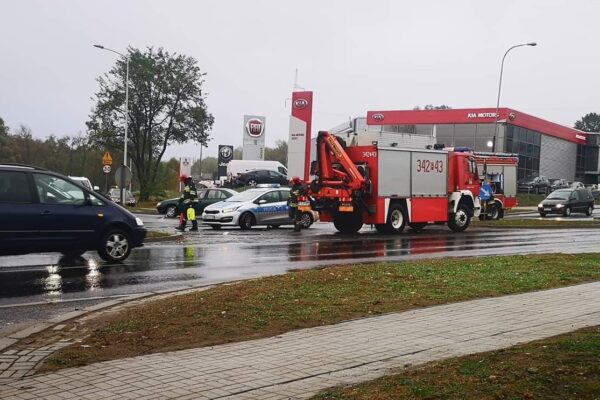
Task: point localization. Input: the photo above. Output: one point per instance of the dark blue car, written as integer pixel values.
(42, 211)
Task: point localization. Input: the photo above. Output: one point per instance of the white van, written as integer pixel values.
(236, 167)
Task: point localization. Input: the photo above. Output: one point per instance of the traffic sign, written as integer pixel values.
(106, 159)
(106, 169)
(123, 176)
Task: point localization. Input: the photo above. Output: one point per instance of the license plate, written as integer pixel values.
(208, 216)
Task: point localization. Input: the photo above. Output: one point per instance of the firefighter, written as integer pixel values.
(187, 204)
(297, 188)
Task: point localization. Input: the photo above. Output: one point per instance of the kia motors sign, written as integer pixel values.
(300, 104)
(299, 142)
(254, 137)
(378, 117)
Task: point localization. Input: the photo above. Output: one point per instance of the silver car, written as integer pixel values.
(260, 206)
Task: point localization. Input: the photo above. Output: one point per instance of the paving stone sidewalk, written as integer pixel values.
(298, 364)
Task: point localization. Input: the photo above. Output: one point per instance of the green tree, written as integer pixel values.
(4, 142)
(208, 164)
(589, 123)
(278, 153)
(166, 106)
(237, 153)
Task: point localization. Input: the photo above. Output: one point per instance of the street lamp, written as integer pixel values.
(499, 87)
(122, 193)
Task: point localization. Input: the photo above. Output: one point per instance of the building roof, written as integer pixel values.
(476, 116)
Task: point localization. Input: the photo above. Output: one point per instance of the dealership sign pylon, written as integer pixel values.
(299, 139)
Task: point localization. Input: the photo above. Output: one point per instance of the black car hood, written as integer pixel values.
(553, 202)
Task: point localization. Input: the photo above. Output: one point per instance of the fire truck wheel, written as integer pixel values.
(348, 223)
(396, 220)
(460, 220)
(417, 226)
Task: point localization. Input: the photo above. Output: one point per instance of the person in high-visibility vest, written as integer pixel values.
(187, 204)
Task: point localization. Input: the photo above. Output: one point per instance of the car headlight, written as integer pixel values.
(158, 204)
(139, 222)
(540, 205)
(560, 205)
(230, 209)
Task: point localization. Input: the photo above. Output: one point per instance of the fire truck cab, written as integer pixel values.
(391, 187)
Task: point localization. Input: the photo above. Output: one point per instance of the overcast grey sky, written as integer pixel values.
(355, 55)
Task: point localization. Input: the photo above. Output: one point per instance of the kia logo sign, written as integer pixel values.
(255, 127)
(300, 103)
(378, 117)
(512, 116)
(225, 152)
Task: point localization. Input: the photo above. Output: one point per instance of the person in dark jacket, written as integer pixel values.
(297, 188)
(187, 204)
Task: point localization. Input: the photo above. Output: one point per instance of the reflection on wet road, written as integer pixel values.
(211, 256)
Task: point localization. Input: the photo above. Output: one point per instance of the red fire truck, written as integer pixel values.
(500, 171)
(391, 187)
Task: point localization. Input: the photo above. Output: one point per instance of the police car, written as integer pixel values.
(258, 206)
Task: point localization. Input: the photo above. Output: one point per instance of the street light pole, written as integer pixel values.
(122, 193)
(500, 87)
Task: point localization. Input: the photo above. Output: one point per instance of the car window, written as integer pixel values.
(14, 187)
(271, 197)
(215, 194)
(284, 194)
(54, 190)
(281, 170)
(575, 195)
(559, 195)
(273, 174)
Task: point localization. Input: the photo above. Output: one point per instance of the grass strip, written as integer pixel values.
(562, 367)
(536, 224)
(272, 305)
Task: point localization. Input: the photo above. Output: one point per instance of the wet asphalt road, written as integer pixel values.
(37, 287)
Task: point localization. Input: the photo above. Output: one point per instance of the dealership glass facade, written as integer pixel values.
(527, 144)
(510, 138)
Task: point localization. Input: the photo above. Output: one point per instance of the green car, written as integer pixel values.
(206, 196)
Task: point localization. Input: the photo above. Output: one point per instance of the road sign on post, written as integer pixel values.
(106, 159)
(106, 169)
(123, 176)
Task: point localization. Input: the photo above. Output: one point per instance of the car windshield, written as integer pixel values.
(248, 195)
(559, 195)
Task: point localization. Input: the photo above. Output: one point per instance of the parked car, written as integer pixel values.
(537, 184)
(85, 182)
(559, 184)
(115, 195)
(567, 201)
(577, 185)
(594, 189)
(258, 206)
(205, 198)
(252, 178)
(43, 211)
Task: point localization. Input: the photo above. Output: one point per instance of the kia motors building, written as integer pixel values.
(544, 148)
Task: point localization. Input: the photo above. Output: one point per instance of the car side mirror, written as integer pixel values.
(96, 188)
(262, 201)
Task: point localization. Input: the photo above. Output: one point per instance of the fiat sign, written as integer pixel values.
(255, 127)
(300, 104)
